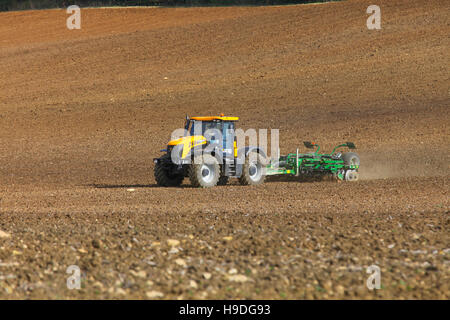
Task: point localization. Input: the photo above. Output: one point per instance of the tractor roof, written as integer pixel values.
(221, 117)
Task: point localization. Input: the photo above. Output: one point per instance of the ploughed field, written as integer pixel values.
(84, 112)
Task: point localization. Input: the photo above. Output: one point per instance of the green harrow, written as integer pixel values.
(342, 166)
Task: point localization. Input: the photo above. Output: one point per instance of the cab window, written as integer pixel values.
(206, 125)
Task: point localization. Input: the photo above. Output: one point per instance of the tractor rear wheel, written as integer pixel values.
(253, 170)
(204, 172)
(165, 177)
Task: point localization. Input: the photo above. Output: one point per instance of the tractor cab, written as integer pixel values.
(216, 129)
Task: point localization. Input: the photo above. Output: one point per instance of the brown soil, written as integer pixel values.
(83, 113)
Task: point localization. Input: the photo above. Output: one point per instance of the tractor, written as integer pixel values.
(208, 155)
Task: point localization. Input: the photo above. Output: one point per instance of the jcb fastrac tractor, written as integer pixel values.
(208, 155)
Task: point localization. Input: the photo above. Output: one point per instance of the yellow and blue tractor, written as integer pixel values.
(208, 154)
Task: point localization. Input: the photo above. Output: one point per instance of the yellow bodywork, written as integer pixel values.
(188, 143)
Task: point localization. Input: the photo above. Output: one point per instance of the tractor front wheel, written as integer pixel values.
(204, 172)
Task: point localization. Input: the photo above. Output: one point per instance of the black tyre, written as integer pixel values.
(165, 177)
(253, 170)
(205, 173)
